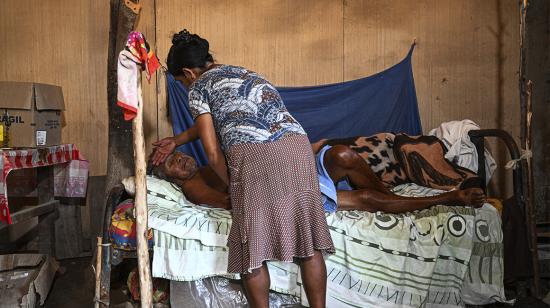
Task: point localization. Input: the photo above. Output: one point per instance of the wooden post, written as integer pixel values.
(97, 296)
(119, 163)
(530, 211)
(46, 222)
(140, 201)
(522, 64)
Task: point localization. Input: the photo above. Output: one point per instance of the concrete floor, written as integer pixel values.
(75, 288)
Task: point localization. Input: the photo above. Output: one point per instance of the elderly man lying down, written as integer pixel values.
(361, 189)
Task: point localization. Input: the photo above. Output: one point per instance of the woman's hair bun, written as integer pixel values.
(188, 38)
(187, 51)
(182, 36)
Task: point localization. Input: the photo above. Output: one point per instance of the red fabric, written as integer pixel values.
(139, 47)
(128, 111)
(70, 171)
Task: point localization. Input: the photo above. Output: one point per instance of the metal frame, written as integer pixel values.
(113, 256)
(520, 188)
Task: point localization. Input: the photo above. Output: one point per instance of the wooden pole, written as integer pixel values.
(140, 201)
(525, 90)
(530, 211)
(522, 63)
(98, 272)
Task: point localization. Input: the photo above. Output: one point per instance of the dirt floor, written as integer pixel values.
(74, 287)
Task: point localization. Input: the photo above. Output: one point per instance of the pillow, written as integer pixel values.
(122, 230)
(155, 187)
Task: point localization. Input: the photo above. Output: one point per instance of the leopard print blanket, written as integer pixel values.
(377, 151)
(403, 159)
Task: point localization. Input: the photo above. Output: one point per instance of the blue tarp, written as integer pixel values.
(181, 118)
(384, 102)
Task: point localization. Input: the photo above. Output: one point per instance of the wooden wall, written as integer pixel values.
(63, 42)
(465, 62)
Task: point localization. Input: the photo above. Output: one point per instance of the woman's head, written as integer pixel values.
(189, 56)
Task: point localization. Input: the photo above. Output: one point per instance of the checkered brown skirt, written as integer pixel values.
(277, 210)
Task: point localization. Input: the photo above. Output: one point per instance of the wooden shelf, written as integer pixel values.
(31, 211)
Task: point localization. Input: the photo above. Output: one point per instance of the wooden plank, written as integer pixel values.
(33, 211)
(464, 64)
(63, 43)
(92, 217)
(120, 146)
(290, 42)
(120, 162)
(537, 66)
(20, 243)
(46, 221)
(146, 25)
(68, 232)
(164, 121)
(46, 232)
(44, 184)
(456, 62)
(47, 214)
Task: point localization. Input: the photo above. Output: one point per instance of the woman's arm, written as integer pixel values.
(187, 136)
(207, 134)
(166, 146)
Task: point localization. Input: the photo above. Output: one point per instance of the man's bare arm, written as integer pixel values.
(316, 147)
(198, 192)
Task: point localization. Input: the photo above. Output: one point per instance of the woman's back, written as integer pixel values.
(245, 107)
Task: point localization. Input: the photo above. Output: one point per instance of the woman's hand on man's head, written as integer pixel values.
(163, 148)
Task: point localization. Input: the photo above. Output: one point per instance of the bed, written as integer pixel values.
(443, 256)
(439, 257)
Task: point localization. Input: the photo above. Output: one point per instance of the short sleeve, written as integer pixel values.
(198, 103)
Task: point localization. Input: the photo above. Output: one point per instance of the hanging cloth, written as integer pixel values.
(136, 56)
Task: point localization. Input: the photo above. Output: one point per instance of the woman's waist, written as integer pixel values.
(251, 136)
(290, 147)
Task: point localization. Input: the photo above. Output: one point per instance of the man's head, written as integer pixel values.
(177, 167)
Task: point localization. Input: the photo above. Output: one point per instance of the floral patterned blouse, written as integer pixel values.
(245, 107)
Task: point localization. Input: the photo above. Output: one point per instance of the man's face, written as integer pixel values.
(180, 166)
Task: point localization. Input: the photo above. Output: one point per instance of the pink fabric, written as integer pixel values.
(70, 171)
(127, 79)
(137, 56)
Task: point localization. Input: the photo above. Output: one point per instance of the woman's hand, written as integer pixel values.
(164, 147)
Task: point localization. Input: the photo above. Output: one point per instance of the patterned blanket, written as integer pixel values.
(439, 257)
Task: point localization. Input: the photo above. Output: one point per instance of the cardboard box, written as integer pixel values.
(30, 114)
(25, 279)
